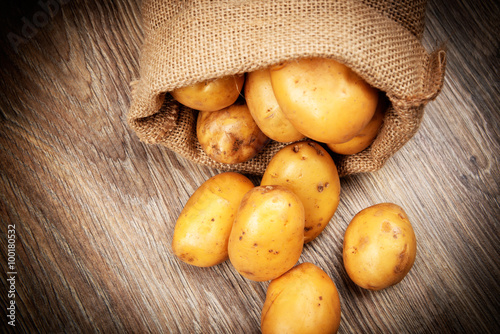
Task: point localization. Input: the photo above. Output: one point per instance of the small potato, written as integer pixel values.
(230, 135)
(363, 139)
(303, 300)
(210, 95)
(202, 230)
(379, 246)
(308, 170)
(265, 109)
(323, 99)
(267, 237)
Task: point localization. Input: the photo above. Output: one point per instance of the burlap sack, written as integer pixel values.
(191, 41)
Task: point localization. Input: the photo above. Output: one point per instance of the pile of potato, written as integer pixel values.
(310, 103)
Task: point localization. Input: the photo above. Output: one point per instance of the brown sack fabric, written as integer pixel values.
(192, 41)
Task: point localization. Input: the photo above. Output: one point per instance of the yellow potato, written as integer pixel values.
(202, 230)
(308, 170)
(265, 109)
(363, 139)
(303, 300)
(210, 95)
(379, 246)
(230, 135)
(323, 99)
(267, 237)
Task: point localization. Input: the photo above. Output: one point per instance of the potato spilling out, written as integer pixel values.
(303, 300)
(379, 246)
(267, 237)
(265, 109)
(202, 230)
(365, 137)
(308, 170)
(230, 135)
(323, 99)
(210, 95)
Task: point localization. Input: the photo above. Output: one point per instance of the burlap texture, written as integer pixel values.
(190, 41)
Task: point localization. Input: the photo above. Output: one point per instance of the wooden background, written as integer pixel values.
(94, 208)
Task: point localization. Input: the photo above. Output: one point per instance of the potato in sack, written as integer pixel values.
(265, 109)
(323, 99)
(210, 95)
(230, 135)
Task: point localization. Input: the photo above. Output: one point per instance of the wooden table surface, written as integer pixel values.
(92, 209)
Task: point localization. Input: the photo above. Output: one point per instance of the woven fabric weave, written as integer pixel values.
(191, 41)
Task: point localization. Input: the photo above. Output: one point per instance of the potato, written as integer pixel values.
(363, 139)
(303, 300)
(267, 237)
(230, 135)
(210, 95)
(308, 170)
(379, 246)
(265, 109)
(202, 230)
(323, 99)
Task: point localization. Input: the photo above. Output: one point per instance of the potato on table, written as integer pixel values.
(379, 246)
(303, 300)
(210, 95)
(202, 230)
(308, 170)
(230, 135)
(267, 237)
(323, 99)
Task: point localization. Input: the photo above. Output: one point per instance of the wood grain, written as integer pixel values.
(94, 208)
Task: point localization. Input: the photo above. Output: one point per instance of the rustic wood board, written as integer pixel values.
(94, 208)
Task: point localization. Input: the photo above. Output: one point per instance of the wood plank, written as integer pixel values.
(94, 208)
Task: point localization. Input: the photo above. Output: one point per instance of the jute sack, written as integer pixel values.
(191, 41)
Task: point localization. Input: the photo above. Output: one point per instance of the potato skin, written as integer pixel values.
(308, 170)
(267, 237)
(379, 246)
(364, 138)
(303, 300)
(210, 95)
(323, 99)
(265, 110)
(230, 135)
(202, 230)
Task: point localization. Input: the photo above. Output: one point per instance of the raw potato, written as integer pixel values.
(265, 109)
(323, 99)
(303, 300)
(202, 230)
(308, 170)
(379, 246)
(210, 95)
(363, 139)
(230, 135)
(267, 237)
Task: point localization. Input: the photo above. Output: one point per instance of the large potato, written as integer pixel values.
(202, 230)
(210, 95)
(323, 99)
(265, 109)
(308, 170)
(379, 246)
(267, 237)
(303, 300)
(230, 135)
(364, 138)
